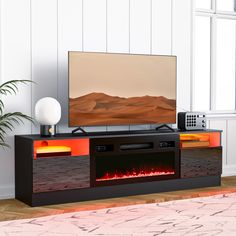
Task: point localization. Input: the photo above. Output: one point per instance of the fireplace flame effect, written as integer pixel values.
(133, 174)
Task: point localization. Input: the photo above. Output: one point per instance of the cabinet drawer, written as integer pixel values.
(60, 173)
(198, 162)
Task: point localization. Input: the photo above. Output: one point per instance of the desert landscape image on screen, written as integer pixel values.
(119, 89)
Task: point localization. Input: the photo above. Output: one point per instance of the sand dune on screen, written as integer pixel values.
(102, 109)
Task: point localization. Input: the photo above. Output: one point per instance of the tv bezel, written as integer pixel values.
(114, 53)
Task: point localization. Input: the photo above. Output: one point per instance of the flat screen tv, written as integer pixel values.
(121, 89)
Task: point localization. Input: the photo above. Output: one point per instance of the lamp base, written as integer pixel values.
(47, 130)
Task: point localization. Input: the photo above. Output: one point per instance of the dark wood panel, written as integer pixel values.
(60, 173)
(201, 162)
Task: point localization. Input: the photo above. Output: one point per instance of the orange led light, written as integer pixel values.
(66, 147)
(49, 149)
(211, 139)
(197, 137)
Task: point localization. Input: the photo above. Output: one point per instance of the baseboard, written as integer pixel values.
(7, 192)
(229, 170)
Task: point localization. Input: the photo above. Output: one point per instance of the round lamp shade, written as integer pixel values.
(48, 111)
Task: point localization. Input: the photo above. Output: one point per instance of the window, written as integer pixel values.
(225, 5)
(225, 64)
(202, 62)
(214, 56)
(203, 4)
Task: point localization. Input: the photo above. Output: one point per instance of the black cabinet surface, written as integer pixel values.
(196, 162)
(60, 173)
(102, 166)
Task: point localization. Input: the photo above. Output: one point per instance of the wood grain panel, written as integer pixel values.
(60, 173)
(201, 162)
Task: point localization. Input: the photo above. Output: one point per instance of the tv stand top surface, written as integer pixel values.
(124, 132)
(114, 134)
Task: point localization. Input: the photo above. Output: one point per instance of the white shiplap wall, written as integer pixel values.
(15, 64)
(37, 34)
(228, 126)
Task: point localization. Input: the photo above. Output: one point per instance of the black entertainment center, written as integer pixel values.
(96, 166)
(109, 89)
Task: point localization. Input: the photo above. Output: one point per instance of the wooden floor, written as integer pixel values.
(14, 209)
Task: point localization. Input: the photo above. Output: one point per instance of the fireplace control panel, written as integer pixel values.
(166, 144)
(104, 148)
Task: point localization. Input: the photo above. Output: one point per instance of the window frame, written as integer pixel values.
(214, 15)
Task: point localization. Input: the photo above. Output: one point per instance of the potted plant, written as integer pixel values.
(8, 121)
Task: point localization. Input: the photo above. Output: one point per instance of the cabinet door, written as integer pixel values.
(60, 173)
(196, 162)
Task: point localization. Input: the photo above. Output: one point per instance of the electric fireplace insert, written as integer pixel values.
(137, 160)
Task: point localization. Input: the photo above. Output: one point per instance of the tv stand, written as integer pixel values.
(95, 166)
(79, 129)
(165, 126)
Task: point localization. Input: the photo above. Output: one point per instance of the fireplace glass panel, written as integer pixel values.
(134, 166)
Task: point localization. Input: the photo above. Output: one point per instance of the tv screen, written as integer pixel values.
(121, 89)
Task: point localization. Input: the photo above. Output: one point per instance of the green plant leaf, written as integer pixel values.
(10, 87)
(3, 144)
(8, 121)
(1, 107)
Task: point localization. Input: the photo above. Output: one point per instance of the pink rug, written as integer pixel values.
(214, 215)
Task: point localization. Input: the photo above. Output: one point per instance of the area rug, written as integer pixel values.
(214, 215)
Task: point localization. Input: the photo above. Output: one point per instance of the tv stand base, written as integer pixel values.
(87, 194)
(79, 129)
(165, 126)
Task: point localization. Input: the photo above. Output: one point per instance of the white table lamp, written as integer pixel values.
(48, 114)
